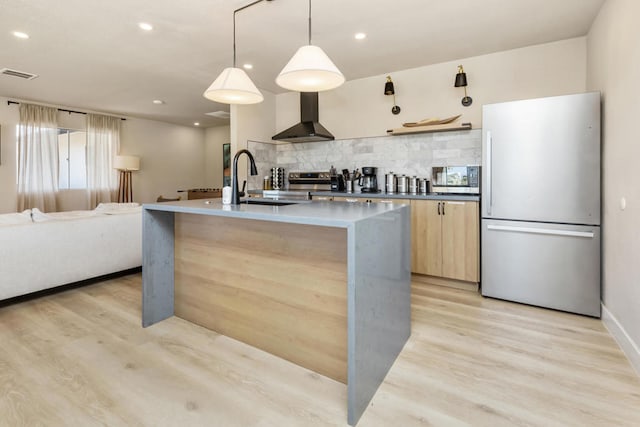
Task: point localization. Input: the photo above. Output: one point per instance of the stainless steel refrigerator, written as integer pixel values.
(540, 236)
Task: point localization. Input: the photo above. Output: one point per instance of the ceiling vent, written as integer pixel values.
(16, 73)
(219, 114)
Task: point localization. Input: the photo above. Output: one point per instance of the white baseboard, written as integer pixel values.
(625, 342)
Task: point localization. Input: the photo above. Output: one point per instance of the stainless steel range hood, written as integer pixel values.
(309, 129)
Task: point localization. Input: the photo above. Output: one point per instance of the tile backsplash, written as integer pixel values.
(401, 154)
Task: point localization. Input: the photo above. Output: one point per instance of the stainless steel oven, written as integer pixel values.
(300, 186)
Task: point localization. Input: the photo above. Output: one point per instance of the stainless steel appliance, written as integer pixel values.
(456, 179)
(302, 183)
(541, 202)
(369, 180)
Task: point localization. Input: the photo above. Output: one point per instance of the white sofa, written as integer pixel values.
(40, 251)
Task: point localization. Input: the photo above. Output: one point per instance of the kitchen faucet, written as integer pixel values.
(235, 194)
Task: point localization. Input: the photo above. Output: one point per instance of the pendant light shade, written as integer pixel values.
(310, 70)
(233, 86)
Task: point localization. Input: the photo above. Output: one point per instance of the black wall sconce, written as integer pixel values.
(389, 90)
(461, 81)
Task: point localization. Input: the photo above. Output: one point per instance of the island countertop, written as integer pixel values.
(324, 285)
(316, 213)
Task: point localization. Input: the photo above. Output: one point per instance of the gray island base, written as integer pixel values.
(323, 285)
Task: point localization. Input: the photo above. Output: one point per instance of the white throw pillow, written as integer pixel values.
(38, 216)
(23, 217)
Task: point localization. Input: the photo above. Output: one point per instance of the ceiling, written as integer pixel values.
(90, 54)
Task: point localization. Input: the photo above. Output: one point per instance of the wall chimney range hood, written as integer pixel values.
(309, 129)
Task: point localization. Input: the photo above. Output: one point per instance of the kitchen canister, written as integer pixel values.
(403, 184)
(424, 185)
(413, 185)
(390, 182)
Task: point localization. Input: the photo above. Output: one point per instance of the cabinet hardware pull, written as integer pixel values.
(532, 230)
(489, 174)
(443, 205)
(438, 208)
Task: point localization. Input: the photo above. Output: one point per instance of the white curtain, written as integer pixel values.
(103, 143)
(37, 158)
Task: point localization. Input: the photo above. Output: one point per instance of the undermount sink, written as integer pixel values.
(268, 202)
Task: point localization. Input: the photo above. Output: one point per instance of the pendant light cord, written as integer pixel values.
(234, 25)
(309, 21)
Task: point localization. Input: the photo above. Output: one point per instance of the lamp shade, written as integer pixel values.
(461, 80)
(233, 86)
(126, 163)
(310, 70)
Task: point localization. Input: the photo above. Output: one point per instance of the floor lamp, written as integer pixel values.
(126, 164)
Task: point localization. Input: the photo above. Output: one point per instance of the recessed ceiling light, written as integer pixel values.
(196, 124)
(145, 26)
(248, 67)
(20, 35)
(360, 36)
(158, 101)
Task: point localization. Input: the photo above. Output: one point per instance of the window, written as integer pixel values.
(72, 159)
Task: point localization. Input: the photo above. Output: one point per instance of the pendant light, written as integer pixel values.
(233, 85)
(310, 69)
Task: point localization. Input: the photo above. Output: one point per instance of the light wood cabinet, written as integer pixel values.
(445, 239)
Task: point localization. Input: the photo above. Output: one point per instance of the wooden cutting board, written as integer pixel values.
(430, 128)
(432, 121)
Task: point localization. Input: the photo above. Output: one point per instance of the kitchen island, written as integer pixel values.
(323, 285)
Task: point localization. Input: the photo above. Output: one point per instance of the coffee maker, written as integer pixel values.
(369, 180)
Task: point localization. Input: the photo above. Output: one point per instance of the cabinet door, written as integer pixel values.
(460, 241)
(426, 241)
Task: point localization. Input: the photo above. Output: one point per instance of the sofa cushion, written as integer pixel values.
(23, 217)
(116, 208)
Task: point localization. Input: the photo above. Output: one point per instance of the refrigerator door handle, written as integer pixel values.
(549, 231)
(488, 167)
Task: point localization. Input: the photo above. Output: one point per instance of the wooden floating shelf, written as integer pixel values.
(428, 129)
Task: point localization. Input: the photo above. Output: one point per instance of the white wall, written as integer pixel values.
(8, 120)
(359, 107)
(614, 68)
(214, 138)
(172, 157)
(254, 122)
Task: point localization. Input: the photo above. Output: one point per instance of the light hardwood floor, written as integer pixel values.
(81, 358)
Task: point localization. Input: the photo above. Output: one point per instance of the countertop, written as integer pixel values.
(317, 213)
(430, 196)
